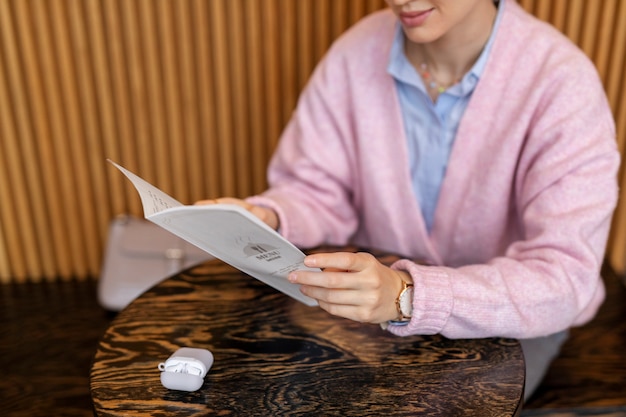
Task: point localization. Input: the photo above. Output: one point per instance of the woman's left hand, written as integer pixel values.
(352, 285)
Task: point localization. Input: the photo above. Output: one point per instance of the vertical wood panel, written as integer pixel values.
(165, 48)
(288, 57)
(225, 138)
(274, 76)
(147, 72)
(12, 261)
(605, 31)
(55, 162)
(88, 175)
(191, 156)
(119, 144)
(190, 94)
(208, 163)
(304, 36)
(24, 88)
(255, 41)
(616, 88)
(237, 65)
(135, 84)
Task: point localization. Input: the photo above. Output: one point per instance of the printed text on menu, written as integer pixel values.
(158, 204)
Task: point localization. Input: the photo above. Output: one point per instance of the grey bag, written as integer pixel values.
(140, 254)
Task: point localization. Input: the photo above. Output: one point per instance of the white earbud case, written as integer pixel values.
(185, 369)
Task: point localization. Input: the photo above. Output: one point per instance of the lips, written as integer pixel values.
(412, 19)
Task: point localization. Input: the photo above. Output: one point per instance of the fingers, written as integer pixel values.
(344, 261)
(226, 200)
(326, 279)
(341, 270)
(205, 202)
(265, 214)
(235, 201)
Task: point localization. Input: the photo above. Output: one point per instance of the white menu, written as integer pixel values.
(228, 232)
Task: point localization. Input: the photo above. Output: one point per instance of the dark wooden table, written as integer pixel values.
(275, 356)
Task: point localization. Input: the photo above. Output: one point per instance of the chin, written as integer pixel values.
(421, 35)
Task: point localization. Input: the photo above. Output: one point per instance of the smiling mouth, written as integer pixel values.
(417, 18)
(414, 14)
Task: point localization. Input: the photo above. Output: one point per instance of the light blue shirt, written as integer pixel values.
(431, 127)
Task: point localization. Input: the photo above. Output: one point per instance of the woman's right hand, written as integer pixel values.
(267, 215)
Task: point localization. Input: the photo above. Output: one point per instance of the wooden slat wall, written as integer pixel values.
(190, 94)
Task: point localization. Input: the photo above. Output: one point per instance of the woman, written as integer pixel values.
(467, 134)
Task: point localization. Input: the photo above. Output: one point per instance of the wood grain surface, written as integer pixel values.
(49, 332)
(275, 356)
(46, 326)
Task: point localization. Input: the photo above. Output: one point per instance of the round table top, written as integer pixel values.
(276, 356)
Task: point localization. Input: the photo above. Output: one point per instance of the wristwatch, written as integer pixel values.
(404, 304)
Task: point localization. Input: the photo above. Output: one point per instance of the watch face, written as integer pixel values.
(406, 302)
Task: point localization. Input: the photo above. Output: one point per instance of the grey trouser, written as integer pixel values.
(539, 354)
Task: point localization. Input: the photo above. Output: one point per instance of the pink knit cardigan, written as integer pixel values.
(524, 212)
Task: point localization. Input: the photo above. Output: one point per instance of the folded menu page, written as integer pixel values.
(228, 232)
